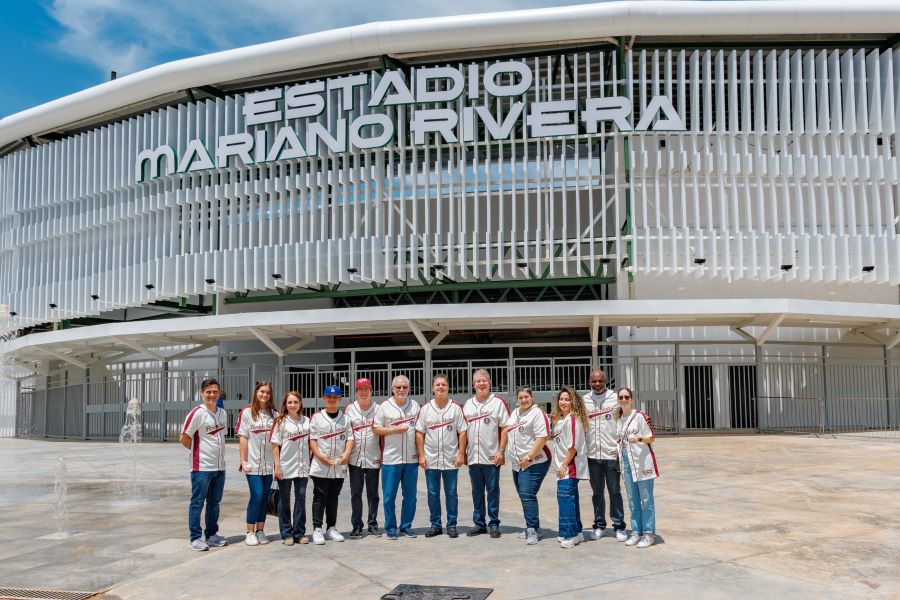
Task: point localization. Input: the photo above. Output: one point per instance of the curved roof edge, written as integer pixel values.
(656, 17)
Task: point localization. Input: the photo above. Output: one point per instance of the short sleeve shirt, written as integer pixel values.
(485, 420)
(522, 431)
(331, 435)
(398, 449)
(292, 437)
(441, 428)
(257, 431)
(601, 433)
(568, 433)
(366, 451)
(207, 432)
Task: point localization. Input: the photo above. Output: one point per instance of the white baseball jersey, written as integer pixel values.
(601, 433)
(207, 432)
(640, 457)
(257, 431)
(366, 451)
(568, 433)
(292, 437)
(398, 449)
(522, 431)
(331, 435)
(485, 420)
(441, 428)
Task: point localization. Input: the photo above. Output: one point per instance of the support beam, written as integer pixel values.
(595, 340)
(747, 336)
(64, 358)
(770, 329)
(302, 341)
(426, 345)
(893, 341)
(267, 341)
(189, 351)
(142, 349)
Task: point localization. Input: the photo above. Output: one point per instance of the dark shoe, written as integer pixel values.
(495, 532)
(451, 532)
(476, 531)
(433, 531)
(356, 534)
(374, 531)
(407, 533)
(392, 534)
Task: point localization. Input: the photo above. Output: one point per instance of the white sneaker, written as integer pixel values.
(570, 542)
(334, 535)
(199, 545)
(216, 541)
(646, 541)
(597, 533)
(523, 535)
(317, 537)
(261, 537)
(251, 539)
(621, 536)
(634, 539)
(532, 536)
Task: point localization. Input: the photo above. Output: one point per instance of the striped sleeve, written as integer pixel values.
(190, 426)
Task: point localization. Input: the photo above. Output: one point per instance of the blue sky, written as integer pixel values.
(52, 48)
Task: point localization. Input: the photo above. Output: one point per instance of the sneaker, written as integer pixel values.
(433, 531)
(261, 537)
(524, 534)
(476, 531)
(646, 540)
(597, 533)
(304, 540)
(374, 531)
(251, 539)
(317, 538)
(452, 532)
(531, 536)
(199, 545)
(570, 542)
(634, 539)
(334, 535)
(407, 533)
(621, 536)
(216, 541)
(392, 534)
(560, 539)
(288, 541)
(495, 532)
(356, 534)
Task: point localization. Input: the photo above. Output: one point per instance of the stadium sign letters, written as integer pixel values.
(362, 124)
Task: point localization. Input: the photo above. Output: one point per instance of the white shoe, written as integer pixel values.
(646, 541)
(532, 536)
(621, 536)
(634, 539)
(261, 537)
(251, 539)
(199, 545)
(216, 541)
(597, 533)
(317, 538)
(334, 535)
(523, 535)
(570, 542)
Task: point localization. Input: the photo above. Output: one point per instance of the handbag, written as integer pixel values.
(274, 498)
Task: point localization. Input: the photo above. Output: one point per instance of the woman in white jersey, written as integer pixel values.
(638, 469)
(570, 421)
(524, 438)
(254, 428)
(331, 442)
(290, 449)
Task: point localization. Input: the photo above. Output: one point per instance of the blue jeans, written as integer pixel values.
(292, 525)
(393, 477)
(259, 498)
(485, 479)
(206, 486)
(640, 502)
(433, 480)
(569, 508)
(528, 484)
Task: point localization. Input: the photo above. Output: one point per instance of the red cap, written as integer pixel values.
(363, 382)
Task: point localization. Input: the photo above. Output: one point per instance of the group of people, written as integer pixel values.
(598, 436)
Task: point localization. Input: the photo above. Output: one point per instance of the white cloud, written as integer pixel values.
(129, 35)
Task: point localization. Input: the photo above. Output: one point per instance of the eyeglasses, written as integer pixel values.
(624, 397)
(401, 387)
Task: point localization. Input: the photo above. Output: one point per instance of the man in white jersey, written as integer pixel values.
(204, 435)
(395, 421)
(485, 414)
(603, 456)
(441, 441)
(365, 459)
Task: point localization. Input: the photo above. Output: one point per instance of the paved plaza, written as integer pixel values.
(738, 516)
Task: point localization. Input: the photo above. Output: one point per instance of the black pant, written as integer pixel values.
(325, 500)
(358, 477)
(606, 472)
(292, 527)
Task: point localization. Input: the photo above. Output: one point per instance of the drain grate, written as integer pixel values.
(23, 594)
(407, 591)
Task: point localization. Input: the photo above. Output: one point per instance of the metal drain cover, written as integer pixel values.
(25, 594)
(407, 591)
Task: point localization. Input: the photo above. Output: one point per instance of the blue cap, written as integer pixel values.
(332, 390)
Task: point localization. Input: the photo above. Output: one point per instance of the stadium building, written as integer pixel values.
(700, 197)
